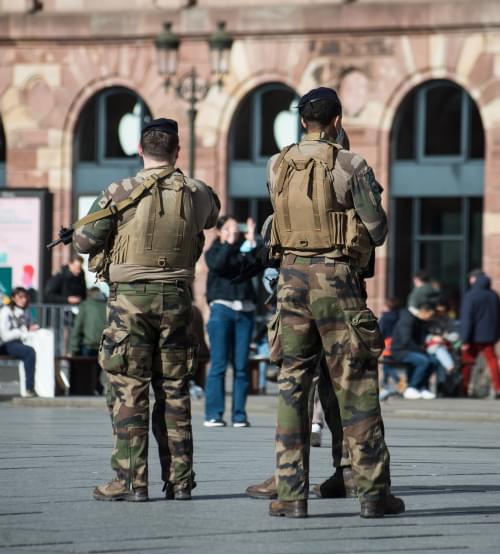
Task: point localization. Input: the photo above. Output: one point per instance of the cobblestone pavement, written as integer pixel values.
(445, 463)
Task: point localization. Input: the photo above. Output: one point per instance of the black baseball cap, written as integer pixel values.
(165, 125)
(321, 93)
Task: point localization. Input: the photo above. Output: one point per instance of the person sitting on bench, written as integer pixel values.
(408, 346)
(15, 323)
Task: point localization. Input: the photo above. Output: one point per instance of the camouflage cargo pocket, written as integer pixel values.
(366, 339)
(179, 363)
(113, 351)
(274, 338)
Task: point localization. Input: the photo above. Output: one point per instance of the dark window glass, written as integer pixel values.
(476, 233)
(264, 209)
(441, 216)
(109, 126)
(118, 106)
(86, 132)
(476, 132)
(241, 209)
(274, 102)
(443, 121)
(2, 144)
(242, 132)
(405, 134)
(442, 261)
(402, 249)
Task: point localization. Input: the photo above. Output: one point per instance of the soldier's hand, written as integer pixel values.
(66, 235)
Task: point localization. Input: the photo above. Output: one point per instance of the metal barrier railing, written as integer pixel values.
(59, 318)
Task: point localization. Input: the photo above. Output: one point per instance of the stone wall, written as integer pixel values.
(52, 63)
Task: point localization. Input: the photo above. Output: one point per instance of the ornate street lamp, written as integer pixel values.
(191, 87)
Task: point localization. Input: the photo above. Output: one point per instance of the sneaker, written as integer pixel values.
(316, 435)
(30, 394)
(412, 393)
(244, 424)
(214, 423)
(426, 394)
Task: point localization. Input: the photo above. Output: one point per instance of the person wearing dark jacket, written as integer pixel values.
(480, 328)
(68, 286)
(408, 346)
(89, 324)
(230, 327)
(87, 330)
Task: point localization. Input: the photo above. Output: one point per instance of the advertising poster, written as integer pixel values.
(20, 240)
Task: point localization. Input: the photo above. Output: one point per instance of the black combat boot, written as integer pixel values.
(388, 505)
(340, 484)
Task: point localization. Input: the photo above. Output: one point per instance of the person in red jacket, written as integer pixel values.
(480, 328)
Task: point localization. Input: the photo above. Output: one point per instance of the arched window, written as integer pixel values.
(439, 120)
(437, 179)
(106, 139)
(265, 122)
(3, 149)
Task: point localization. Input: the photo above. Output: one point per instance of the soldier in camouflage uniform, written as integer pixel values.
(146, 246)
(327, 220)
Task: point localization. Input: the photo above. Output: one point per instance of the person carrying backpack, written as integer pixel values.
(327, 221)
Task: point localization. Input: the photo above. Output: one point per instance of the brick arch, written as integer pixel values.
(235, 96)
(410, 82)
(77, 106)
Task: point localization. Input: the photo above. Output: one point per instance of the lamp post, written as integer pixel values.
(191, 87)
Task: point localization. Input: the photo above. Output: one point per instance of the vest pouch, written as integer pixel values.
(113, 351)
(358, 243)
(339, 228)
(99, 265)
(366, 339)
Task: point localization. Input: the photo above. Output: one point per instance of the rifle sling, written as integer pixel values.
(132, 199)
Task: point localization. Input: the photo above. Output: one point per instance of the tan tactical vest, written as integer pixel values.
(308, 216)
(162, 233)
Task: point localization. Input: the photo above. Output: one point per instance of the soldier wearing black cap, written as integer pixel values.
(144, 235)
(327, 221)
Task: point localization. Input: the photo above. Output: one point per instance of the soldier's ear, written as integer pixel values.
(140, 151)
(337, 123)
(303, 123)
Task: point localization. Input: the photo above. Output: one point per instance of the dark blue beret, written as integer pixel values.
(162, 124)
(321, 93)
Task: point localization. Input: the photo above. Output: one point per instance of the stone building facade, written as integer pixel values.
(57, 56)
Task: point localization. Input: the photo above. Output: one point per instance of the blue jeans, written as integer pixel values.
(25, 353)
(263, 350)
(423, 367)
(230, 332)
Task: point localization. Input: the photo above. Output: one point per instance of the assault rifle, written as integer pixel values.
(65, 237)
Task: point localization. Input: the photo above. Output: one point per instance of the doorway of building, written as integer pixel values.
(437, 181)
(266, 121)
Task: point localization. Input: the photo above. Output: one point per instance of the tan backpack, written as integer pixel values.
(162, 232)
(307, 215)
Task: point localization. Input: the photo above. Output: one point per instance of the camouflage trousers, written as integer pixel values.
(322, 310)
(328, 399)
(147, 342)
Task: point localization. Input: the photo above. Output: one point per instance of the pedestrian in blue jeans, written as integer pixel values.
(15, 323)
(408, 346)
(231, 322)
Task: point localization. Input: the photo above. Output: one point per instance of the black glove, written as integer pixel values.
(66, 235)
